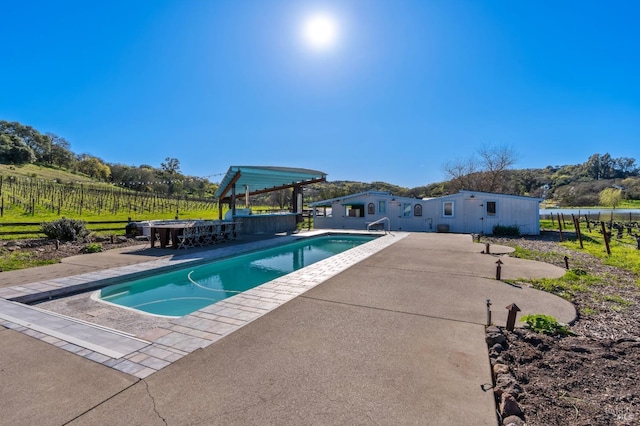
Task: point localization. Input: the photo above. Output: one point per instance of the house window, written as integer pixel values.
(371, 209)
(382, 207)
(355, 210)
(491, 208)
(417, 210)
(406, 210)
(447, 208)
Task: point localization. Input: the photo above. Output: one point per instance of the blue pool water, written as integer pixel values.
(187, 290)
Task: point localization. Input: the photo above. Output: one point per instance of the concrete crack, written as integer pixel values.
(155, 408)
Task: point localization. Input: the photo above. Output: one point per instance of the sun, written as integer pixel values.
(320, 31)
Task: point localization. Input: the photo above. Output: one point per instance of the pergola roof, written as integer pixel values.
(265, 179)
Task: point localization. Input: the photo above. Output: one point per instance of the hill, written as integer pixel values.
(28, 154)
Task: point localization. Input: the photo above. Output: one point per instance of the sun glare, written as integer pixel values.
(320, 31)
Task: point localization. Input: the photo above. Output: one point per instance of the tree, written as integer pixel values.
(462, 173)
(170, 170)
(14, 151)
(485, 172)
(279, 198)
(495, 161)
(610, 197)
(94, 167)
(37, 142)
(171, 166)
(60, 154)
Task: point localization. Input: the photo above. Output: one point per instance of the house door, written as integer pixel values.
(472, 216)
(394, 209)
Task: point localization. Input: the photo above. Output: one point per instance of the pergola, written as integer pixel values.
(244, 181)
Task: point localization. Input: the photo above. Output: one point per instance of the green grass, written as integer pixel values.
(573, 282)
(14, 260)
(624, 254)
(577, 281)
(33, 171)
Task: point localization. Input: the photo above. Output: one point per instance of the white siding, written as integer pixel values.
(469, 213)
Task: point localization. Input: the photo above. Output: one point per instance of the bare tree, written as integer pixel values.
(461, 173)
(495, 161)
(484, 172)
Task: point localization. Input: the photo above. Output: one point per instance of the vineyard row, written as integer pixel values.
(31, 195)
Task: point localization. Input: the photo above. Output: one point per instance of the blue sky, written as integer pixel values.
(408, 86)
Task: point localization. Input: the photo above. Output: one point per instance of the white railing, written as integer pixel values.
(369, 225)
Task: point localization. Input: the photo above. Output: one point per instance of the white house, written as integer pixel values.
(464, 212)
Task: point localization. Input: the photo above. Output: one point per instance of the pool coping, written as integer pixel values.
(162, 346)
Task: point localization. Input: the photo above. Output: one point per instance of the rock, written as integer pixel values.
(493, 329)
(500, 369)
(509, 406)
(507, 384)
(513, 421)
(122, 239)
(493, 338)
(497, 348)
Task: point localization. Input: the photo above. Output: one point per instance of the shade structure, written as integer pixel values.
(255, 180)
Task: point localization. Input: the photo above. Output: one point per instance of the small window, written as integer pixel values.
(491, 208)
(447, 208)
(371, 209)
(406, 210)
(355, 210)
(382, 207)
(417, 210)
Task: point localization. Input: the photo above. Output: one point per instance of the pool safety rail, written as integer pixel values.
(380, 222)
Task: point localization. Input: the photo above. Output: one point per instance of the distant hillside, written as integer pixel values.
(569, 185)
(25, 152)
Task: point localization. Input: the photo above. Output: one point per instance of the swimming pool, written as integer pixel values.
(186, 290)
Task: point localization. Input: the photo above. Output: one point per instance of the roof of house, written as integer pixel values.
(327, 203)
(260, 179)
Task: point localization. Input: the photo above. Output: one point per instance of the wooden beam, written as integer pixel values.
(278, 188)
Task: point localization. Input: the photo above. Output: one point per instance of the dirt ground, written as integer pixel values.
(591, 378)
(587, 379)
(45, 249)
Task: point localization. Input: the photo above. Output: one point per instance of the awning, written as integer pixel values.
(258, 180)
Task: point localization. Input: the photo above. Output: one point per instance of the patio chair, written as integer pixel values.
(187, 238)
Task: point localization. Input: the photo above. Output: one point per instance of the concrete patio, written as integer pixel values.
(397, 338)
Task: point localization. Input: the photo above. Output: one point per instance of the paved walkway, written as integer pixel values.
(397, 338)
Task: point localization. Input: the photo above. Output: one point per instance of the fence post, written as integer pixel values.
(606, 237)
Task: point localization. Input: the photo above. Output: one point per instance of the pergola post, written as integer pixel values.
(233, 202)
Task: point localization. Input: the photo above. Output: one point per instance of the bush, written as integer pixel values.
(506, 231)
(546, 324)
(65, 229)
(131, 229)
(92, 248)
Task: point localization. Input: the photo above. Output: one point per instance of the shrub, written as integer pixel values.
(131, 229)
(506, 231)
(65, 229)
(546, 324)
(92, 248)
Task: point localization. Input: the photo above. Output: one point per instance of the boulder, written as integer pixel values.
(507, 384)
(493, 338)
(509, 406)
(513, 421)
(500, 369)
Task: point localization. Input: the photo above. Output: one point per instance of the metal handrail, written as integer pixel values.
(380, 221)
